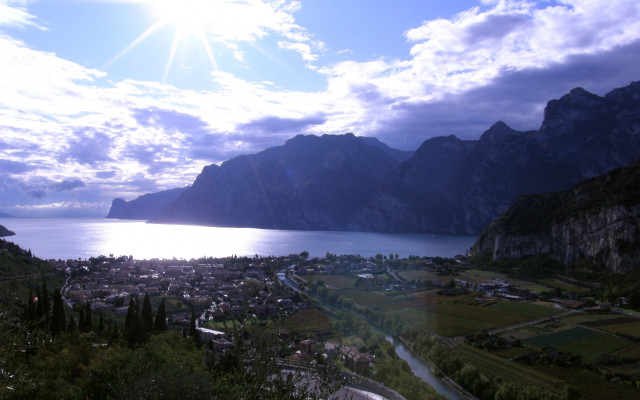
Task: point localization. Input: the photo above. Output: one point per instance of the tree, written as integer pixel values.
(88, 323)
(134, 330)
(193, 331)
(81, 321)
(100, 324)
(57, 316)
(46, 302)
(147, 316)
(304, 255)
(160, 324)
(71, 325)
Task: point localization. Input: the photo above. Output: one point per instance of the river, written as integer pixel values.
(418, 368)
(423, 371)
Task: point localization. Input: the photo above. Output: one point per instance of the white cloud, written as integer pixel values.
(13, 14)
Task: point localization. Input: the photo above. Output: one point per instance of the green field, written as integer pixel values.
(524, 308)
(419, 274)
(508, 370)
(332, 281)
(556, 339)
(306, 321)
(592, 347)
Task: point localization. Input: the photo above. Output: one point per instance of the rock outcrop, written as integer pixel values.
(598, 220)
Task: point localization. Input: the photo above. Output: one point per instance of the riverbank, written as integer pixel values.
(453, 387)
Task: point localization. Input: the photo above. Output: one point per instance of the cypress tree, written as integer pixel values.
(57, 317)
(88, 323)
(147, 314)
(46, 302)
(30, 311)
(71, 325)
(160, 324)
(81, 321)
(39, 308)
(130, 315)
(100, 324)
(193, 331)
(135, 330)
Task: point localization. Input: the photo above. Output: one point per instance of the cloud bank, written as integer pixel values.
(72, 139)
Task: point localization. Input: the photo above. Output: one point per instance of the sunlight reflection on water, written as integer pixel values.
(72, 238)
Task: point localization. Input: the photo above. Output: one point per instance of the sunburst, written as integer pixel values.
(190, 19)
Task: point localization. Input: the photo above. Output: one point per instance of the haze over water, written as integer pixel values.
(62, 238)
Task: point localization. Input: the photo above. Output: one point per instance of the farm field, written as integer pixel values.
(613, 323)
(306, 321)
(592, 347)
(333, 281)
(524, 308)
(556, 339)
(508, 370)
(443, 315)
(420, 274)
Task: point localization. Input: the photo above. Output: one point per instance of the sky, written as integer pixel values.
(102, 99)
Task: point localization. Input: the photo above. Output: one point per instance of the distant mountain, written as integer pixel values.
(5, 232)
(310, 182)
(598, 219)
(456, 186)
(448, 185)
(398, 155)
(144, 207)
(3, 215)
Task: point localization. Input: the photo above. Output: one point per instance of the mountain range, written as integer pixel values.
(448, 185)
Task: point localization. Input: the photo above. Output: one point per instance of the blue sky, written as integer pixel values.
(115, 98)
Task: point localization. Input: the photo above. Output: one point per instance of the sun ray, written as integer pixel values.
(276, 61)
(207, 49)
(135, 42)
(172, 54)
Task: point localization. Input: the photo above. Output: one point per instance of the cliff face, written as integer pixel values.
(598, 219)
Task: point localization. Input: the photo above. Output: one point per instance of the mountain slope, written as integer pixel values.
(308, 183)
(455, 186)
(598, 219)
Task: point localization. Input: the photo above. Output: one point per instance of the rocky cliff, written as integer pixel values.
(597, 220)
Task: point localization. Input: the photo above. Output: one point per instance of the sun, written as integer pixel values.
(190, 19)
(185, 15)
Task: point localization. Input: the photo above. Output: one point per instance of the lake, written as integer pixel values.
(72, 238)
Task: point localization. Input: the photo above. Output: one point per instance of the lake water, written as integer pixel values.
(65, 238)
